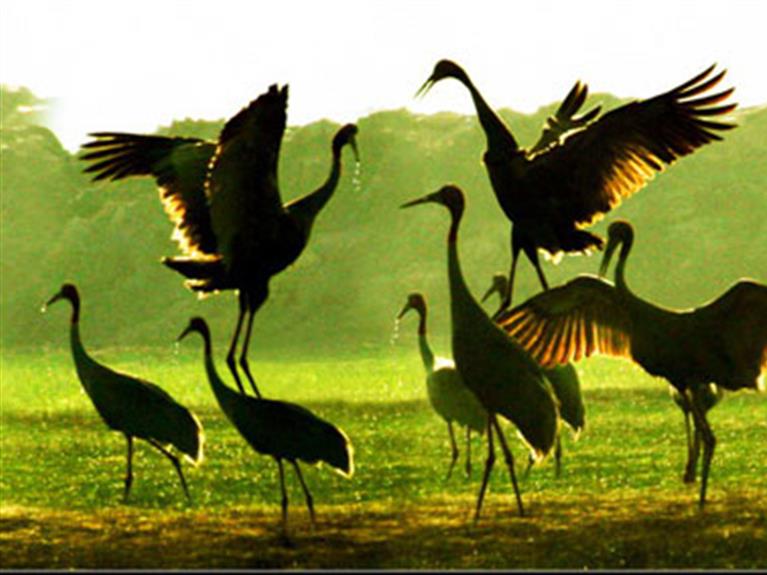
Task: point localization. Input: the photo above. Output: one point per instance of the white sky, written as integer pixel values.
(135, 65)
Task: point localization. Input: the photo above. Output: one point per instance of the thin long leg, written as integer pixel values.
(309, 498)
(233, 345)
(532, 255)
(509, 463)
(488, 467)
(453, 449)
(129, 471)
(558, 457)
(284, 502)
(506, 301)
(692, 450)
(244, 353)
(530, 463)
(709, 441)
(468, 451)
(176, 463)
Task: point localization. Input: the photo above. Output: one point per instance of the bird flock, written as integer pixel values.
(235, 233)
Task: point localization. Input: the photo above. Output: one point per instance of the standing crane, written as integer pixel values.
(574, 176)
(277, 428)
(132, 406)
(722, 342)
(224, 199)
(564, 380)
(502, 375)
(448, 395)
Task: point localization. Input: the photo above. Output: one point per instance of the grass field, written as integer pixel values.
(620, 501)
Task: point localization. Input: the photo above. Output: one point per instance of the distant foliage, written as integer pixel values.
(700, 226)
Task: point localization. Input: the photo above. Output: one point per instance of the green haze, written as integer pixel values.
(700, 226)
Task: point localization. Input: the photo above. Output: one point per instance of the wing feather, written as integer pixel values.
(578, 319)
(594, 169)
(178, 165)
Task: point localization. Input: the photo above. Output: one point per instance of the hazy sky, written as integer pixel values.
(134, 65)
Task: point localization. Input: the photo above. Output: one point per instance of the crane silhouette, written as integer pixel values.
(448, 395)
(224, 199)
(572, 177)
(502, 375)
(564, 380)
(277, 428)
(132, 406)
(722, 342)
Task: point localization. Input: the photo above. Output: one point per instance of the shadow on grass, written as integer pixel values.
(641, 529)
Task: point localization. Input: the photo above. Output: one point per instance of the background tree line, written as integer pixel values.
(700, 226)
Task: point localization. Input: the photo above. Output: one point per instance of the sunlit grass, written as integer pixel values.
(60, 463)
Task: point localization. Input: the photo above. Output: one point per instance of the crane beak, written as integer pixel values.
(406, 308)
(53, 300)
(424, 200)
(185, 333)
(355, 150)
(491, 290)
(425, 88)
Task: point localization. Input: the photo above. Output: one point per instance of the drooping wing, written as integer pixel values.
(572, 321)
(242, 189)
(179, 165)
(595, 168)
(564, 119)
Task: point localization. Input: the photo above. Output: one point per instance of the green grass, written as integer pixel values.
(62, 469)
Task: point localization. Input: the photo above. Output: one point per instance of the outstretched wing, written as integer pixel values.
(179, 165)
(572, 321)
(594, 169)
(242, 189)
(564, 119)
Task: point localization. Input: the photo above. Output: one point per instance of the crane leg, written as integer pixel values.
(506, 302)
(532, 255)
(233, 345)
(703, 428)
(244, 354)
(468, 451)
(176, 463)
(692, 449)
(530, 463)
(509, 463)
(309, 498)
(129, 471)
(284, 501)
(488, 467)
(453, 449)
(558, 457)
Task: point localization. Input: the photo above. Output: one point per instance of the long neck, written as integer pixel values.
(83, 361)
(426, 354)
(498, 135)
(461, 300)
(220, 389)
(620, 268)
(307, 207)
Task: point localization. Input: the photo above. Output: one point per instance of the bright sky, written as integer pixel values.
(133, 66)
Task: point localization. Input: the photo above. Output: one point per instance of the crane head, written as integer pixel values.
(414, 301)
(449, 196)
(619, 232)
(346, 135)
(499, 286)
(443, 69)
(68, 291)
(196, 324)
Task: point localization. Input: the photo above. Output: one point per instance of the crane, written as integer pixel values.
(280, 429)
(448, 395)
(564, 380)
(502, 375)
(224, 199)
(133, 406)
(574, 176)
(722, 342)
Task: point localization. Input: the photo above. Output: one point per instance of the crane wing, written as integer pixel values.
(179, 165)
(614, 157)
(243, 188)
(563, 121)
(575, 320)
